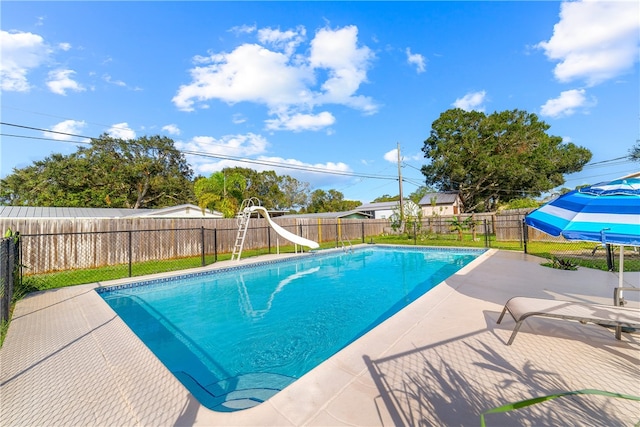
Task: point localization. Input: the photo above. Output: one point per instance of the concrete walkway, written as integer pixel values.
(68, 359)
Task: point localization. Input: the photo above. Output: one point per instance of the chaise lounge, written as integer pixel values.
(520, 308)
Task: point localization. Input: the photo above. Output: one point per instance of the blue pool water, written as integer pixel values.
(236, 337)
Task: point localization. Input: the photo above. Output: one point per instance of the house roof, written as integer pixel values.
(378, 206)
(329, 215)
(442, 198)
(30, 212)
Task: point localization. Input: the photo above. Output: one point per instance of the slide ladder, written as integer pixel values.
(243, 223)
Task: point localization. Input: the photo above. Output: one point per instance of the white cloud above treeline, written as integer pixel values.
(566, 104)
(61, 81)
(471, 101)
(290, 78)
(65, 130)
(21, 53)
(416, 59)
(121, 131)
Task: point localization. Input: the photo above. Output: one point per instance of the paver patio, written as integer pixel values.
(68, 359)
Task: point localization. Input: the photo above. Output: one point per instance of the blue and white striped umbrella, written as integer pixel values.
(607, 212)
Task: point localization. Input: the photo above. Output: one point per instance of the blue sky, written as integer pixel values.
(328, 88)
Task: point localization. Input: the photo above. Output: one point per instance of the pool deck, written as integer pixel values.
(68, 359)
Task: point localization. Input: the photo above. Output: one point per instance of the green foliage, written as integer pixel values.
(488, 158)
(386, 198)
(419, 193)
(459, 225)
(222, 191)
(523, 203)
(147, 172)
(528, 402)
(330, 201)
(561, 264)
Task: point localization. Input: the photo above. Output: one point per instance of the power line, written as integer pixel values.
(270, 163)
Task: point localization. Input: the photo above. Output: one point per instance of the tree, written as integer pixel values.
(498, 157)
(386, 198)
(295, 193)
(331, 201)
(222, 191)
(419, 193)
(634, 153)
(147, 172)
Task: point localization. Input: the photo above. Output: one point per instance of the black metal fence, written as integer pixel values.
(9, 273)
(569, 254)
(51, 260)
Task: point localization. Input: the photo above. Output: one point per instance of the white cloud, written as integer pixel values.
(285, 82)
(566, 104)
(243, 29)
(227, 152)
(418, 60)
(338, 53)
(238, 119)
(64, 46)
(67, 127)
(107, 78)
(21, 53)
(594, 41)
(299, 122)
(60, 81)
(171, 129)
(121, 131)
(471, 101)
(392, 156)
(287, 41)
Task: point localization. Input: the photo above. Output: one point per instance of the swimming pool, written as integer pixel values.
(236, 336)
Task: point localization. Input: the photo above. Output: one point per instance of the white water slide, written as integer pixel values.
(294, 238)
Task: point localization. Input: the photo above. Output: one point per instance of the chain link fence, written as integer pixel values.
(569, 254)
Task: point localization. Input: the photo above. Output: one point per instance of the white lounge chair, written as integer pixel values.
(520, 308)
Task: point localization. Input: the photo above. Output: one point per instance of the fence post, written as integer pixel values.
(5, 282)
(525, 235)
(202, 243)
(609, 251)
(486, 234)
(130, 233)
(362, 227)
(215, 245)
(415, 233)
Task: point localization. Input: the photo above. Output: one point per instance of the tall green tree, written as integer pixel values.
(147, 172)
(498, 157)
(295, 193)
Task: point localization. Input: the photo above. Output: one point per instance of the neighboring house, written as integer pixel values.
(386, 210)
(379, 210)
(180, 211)
(444, 203)
(353, 214)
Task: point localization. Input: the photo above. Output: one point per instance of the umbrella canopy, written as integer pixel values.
(607, 212)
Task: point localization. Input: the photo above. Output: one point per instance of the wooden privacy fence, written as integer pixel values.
(57, 244)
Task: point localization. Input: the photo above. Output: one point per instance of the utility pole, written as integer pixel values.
(400, 187)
